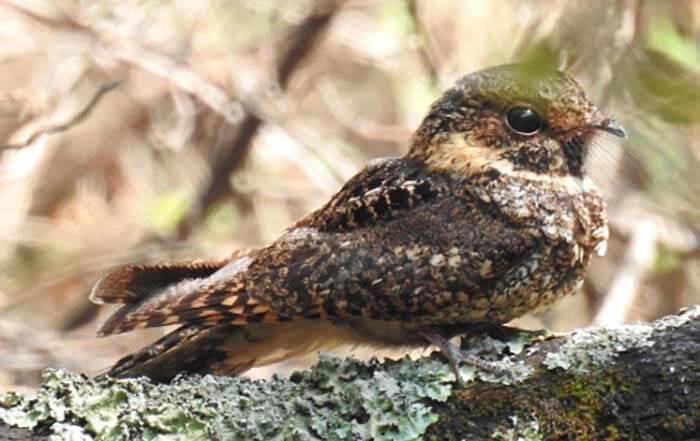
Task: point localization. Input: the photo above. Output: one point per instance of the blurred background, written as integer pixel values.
(137, 131)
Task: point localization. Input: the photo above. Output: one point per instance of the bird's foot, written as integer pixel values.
(456, 356)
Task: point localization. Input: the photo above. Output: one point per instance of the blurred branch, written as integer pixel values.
(116, 46)
(673, 234)
(91, 267)
(625, 288)
(645, 234)
(426, 51)
(356, 123)
(301, 41)
(73, 121)
(298, 44)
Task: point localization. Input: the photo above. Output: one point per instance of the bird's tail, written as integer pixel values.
(187, 293)
(223, 330)
(191, 294)
(232, 349)
(189, 349)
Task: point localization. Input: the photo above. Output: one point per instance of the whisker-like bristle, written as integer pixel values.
(612, 166)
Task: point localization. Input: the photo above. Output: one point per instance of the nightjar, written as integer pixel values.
(488, 216)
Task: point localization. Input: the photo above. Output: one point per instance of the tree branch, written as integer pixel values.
(73, 121)
(426, 50)
(631, 382)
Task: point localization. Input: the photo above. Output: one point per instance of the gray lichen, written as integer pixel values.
(336, 400)
(501, 354)
(587, 348)
(522, 430)
(68, 432)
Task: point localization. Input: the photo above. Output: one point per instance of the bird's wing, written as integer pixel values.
(203, 292)
(390, 240)
(397, 242)
(383, 190)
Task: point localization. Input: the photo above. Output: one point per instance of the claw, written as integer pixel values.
(455, 356)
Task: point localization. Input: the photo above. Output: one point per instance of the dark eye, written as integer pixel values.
(523, 120)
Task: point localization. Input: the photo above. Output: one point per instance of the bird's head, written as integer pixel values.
(511, 118)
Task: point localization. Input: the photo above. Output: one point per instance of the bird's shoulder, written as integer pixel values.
(385, 189)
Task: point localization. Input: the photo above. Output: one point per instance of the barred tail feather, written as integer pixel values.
(233, 349)
(190, 349)
(130, 284)
(169, 294)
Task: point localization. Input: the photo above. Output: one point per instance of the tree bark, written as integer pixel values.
(637, 382)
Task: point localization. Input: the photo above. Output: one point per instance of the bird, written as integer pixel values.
(488, 216)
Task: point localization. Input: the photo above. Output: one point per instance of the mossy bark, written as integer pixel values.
(649, 391)
(638, 382)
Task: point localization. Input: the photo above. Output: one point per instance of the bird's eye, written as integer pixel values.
(523, 120)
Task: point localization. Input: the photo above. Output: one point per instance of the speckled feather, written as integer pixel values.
(476, 224)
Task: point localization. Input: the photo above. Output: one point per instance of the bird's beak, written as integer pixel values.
(611, 126)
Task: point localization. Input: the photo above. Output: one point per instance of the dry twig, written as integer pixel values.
(73, 121)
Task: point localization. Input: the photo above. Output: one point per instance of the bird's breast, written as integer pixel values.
(566, 208)
(569, 214)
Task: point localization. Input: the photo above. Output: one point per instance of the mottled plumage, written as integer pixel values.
(488, 216)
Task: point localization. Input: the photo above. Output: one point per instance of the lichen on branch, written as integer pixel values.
(337, 399)
(598, 383)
